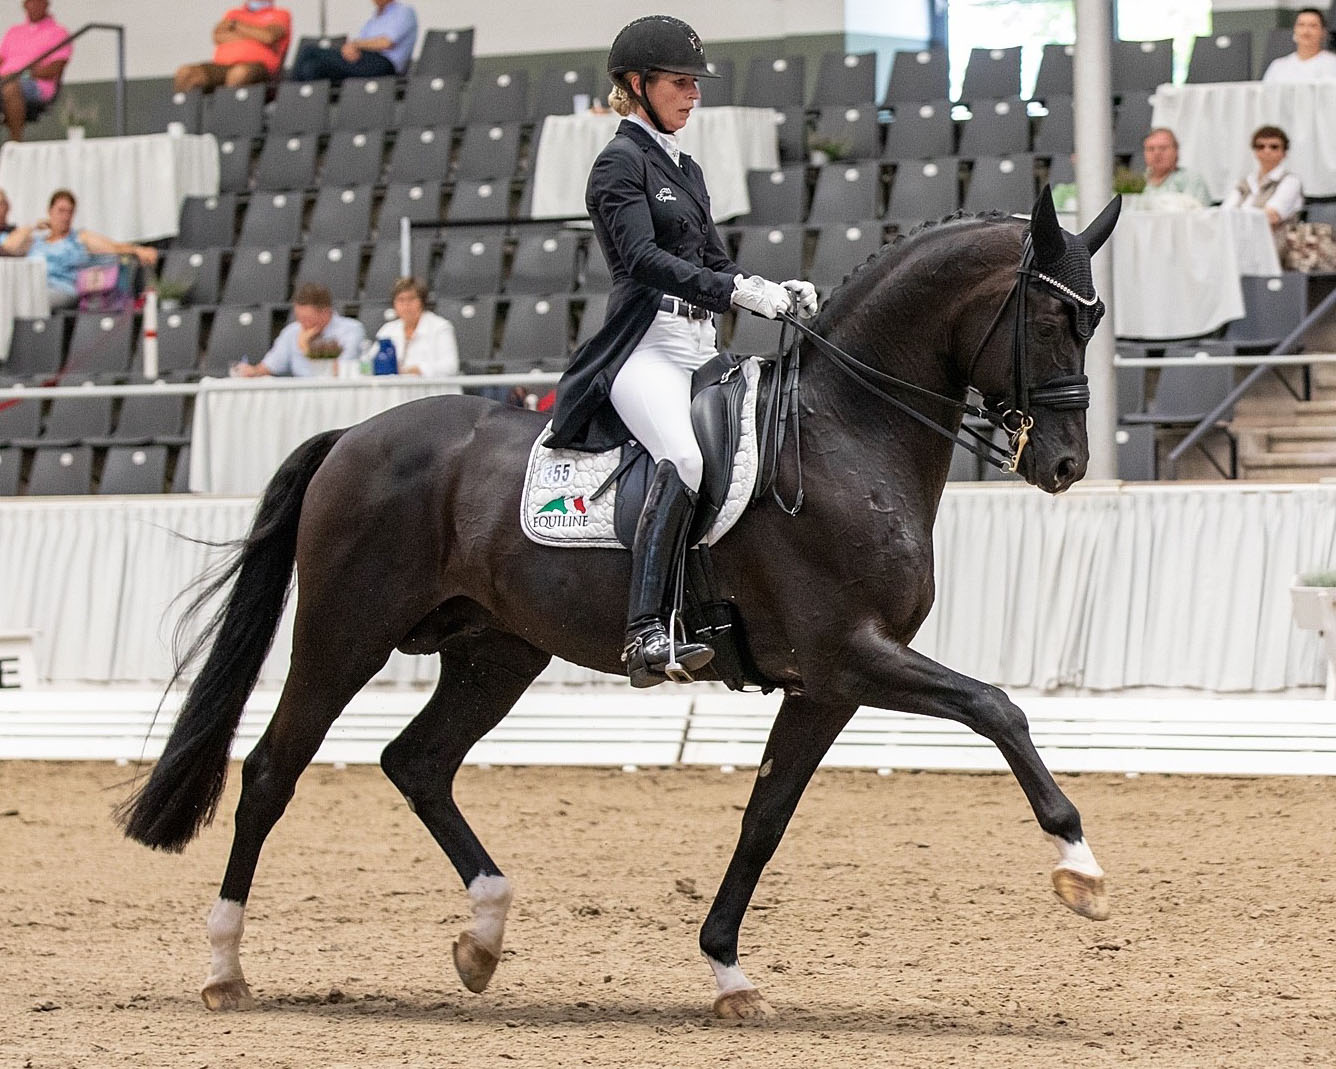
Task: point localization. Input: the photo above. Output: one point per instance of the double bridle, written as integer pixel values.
(1064, 393)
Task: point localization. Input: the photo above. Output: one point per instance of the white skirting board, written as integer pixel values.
(697, 726)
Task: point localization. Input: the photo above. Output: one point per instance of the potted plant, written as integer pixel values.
(1127, 181)
(172, 292)
(824, 150)
(1313, 603)
(324, 354)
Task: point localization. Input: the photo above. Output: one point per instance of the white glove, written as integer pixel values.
(758, 295)
(804, 297)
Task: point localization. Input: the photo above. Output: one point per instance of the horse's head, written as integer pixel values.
(1030, 364)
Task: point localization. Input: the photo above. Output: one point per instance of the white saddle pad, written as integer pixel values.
(556, 508)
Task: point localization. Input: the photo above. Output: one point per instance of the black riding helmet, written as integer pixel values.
(655, 43)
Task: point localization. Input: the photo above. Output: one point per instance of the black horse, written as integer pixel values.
(404, 532)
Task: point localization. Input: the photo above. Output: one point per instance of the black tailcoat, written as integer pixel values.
(652, 220)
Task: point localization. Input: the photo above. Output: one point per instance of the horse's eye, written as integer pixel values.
(1046, 331)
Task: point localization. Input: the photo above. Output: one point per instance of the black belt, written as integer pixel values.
(679, 307)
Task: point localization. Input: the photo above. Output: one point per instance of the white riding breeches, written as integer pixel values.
(652, 391)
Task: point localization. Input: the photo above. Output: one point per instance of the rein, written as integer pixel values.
(1064, 393)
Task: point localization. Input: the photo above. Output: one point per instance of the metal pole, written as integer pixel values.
(1285, 346)
(1094, 185)
(120, 81)
(322, 18)
(405, 248)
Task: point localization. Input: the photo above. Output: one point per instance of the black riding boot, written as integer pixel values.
(659, 543)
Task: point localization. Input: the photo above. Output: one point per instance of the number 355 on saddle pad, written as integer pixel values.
(562, 504)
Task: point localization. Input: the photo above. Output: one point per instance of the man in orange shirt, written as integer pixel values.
(251, 41)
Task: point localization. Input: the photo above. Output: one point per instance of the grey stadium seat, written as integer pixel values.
(365, 104)
(272, 219)
(259, 275)
(341, 214)
(447, 53)
(300, 108)
(419, 155)
(845, 78)
(431, 100)
(992, 74)
(846, 191)
(353, 158)
(207, 221)
(920, 131)
(996, 128)
(918, 74)
(287, 161)
(774, 83)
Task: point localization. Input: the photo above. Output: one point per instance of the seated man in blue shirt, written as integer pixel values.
(314, 330)
(383, 46)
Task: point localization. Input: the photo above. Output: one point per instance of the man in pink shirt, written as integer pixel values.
(250, 42)
(27, 96)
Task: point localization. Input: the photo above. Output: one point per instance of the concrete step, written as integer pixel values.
(1314, 413)
(1298, 467)
(1296, 439)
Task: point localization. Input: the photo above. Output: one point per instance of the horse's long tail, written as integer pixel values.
(181, 795)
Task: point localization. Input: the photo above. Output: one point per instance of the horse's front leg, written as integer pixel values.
(888, 675)
(802, 733)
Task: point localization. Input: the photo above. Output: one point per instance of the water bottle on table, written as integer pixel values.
(385, 362)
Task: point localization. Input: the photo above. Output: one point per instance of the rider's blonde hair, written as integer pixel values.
(619, 100)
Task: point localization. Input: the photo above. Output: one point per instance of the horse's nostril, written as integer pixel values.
(1067, 469)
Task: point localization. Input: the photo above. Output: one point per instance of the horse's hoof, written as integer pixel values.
(1082, 893)
(745, 1004)
(228, 995)
(474, 962)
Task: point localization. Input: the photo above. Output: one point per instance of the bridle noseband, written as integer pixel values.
(1064, 393)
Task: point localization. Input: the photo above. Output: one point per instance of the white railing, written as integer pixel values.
(190, 389)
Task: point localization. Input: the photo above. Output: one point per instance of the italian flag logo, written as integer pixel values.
(564, 505)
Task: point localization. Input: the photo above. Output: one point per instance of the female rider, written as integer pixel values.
(632, 380)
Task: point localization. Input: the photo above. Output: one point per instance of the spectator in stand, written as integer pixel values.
(315, 329)
(1163, 174)
(66, 250)
(383, 46)
(27, 96)
(1310, 61)
(424, 342)
(6, 227)
(250, 42)
(1274, 188)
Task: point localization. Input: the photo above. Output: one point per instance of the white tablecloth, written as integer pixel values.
(726, 142)
(1214, 125)
(129, 188)
(245, 428)
(22, 293)
(1176, 273)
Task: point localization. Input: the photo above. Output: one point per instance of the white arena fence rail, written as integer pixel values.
(706, 726)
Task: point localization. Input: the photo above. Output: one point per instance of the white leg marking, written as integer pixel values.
(227, 920)
(1076, 856)
(729, 978)
(491, 897)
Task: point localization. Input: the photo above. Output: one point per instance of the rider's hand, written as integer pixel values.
(804, 297)
(761, 296)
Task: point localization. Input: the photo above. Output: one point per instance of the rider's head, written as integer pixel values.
(650, 45)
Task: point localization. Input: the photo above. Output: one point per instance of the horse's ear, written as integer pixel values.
(1045, 232)
(1097, 233)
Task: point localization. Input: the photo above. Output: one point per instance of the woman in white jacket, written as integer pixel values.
(423, 341)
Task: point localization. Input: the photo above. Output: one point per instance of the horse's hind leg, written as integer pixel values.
(802, 733)
(312, 699)
(482, 676)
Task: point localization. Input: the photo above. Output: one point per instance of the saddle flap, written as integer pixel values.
(716, 417)
(637, 469)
